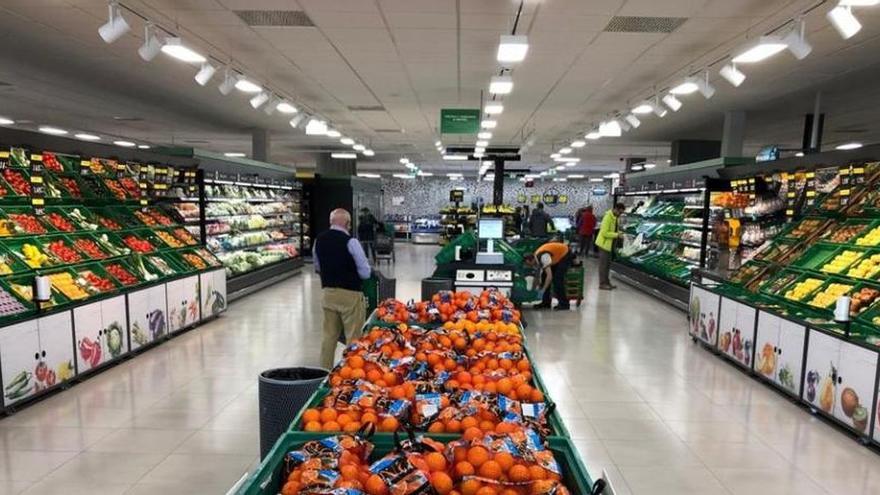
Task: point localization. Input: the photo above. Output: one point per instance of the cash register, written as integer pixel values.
(489, 269)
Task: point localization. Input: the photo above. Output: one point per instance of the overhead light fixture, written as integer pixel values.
(369, 152)
(479, 149)
(614, 175)
(732, 75)
(297, 120)
(87, 137)
(705, 88)
(125, 144)
(234, 154)
(658, 109)
(404, 160)
(404, 176)
(565, 151)
(501, 85)
(633, 121)
(272, 105)
(556, 155)
(454, 174)
(369, 176)
(359, 147)
(859, 3)
(596, 179)
(493, 108)
(174, 47)
(685, 88)
(455, 157)
(624, 126)
(560, 167)
(347, 141)
(512, 49)
(637, 168)
(143, 146)
(424, 174)
(258, 100)
(643, 108)
(205, 73)
(6, 121)
(560, 179)
(481, 144)
(848, 146)
(578, 143)
(761, 49)
(344, 156)
(316, 127)
(610, 128)
(799, 154)
(478, 154)
(672, 102)
(843, 20)
(228, 82)
(286, 107)
(484, 135)
(411, 166)
(593, 135)
(152, 46)
(567, 159)
(333, 133)
(488, 124)
(116, 26)
(55, 131)
(245, 85)
(796, 41)
(649, 165)
(438, 143)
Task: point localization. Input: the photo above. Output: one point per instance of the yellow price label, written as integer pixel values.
(810, 194)
(810, 175)
(860, 170)
(4, 154)
(789, 212)
(36, 179)
(38, 201)
(36, 158)
(844, 192)
(160, 186)
(792, 194)
(85, 163)
(751, 180)
(144, 202)
(844, 171)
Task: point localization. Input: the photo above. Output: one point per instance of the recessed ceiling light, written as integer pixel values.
(87, 137)
(501, 85)
(493, 108)
(512, 49)
(484, 135)
(234, 154)
(55, 131)
(642, 109)
(246, 86)
(455, 157)
(174, 47)
(347, 141)
(368, 175)
(286, 107)
(489, 124)
(143, 146)
(333, 133)
(359, 147)
(578, 143)
(125, 144)
(344, 156)
(848, 146)
(369, 152)
(481, 144)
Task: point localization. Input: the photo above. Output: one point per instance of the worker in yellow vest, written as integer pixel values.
(554, 259)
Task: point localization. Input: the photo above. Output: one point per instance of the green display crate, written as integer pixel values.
(816, 256)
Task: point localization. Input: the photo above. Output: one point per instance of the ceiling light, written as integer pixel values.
(797, 42)
(270, 107)
(484, 135)
(296, 121)
(860, 3)
(87, 137)
(46, 129)
(733, 75)
(152, 46)
(623, 125)
(637, 168)
(762, 49)
(842, 18)
(227, 84)
(234, 154)
(347, 141)
(650, 165)
(848, 146)
(404, 160)
(174, 47)
(501, 85)
(672, 102)
(205, 73)
(703, 85)
(424, 174)
(643, 108)
(560, 179)
(258, 100)
(5, 121)
(115, 27)
(480, 149)
(556, 155)
(369, 176)
(333, 133)
(633, 121)
(565, 151)
(359, 147)
(404, 176)
(685, 88)
(286, 107)
(479, 154)
(125, 144)
(596, 179)
(593, 135)
(489, 124)
(610, 128)
(578, 143)
(411, 166)
(512, 49)
(455, 157)
(493, 108)
(658, 110)
(143, 146)
(454, 174)
(315, 127)
(246, 86)
(567, 159)
(369, 152)
(438, 143)
(344, 156)
(481, 144)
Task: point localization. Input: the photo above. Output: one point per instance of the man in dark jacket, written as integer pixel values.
(539, 222)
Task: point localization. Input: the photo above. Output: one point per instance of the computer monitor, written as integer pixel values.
(491, 228)
(562, 224)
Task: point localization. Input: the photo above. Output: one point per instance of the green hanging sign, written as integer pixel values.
(459, 120)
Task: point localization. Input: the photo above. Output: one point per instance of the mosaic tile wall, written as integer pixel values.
(428, 196)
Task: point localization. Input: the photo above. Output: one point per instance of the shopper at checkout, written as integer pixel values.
(554, 260)
(539, 222)
(343, 266)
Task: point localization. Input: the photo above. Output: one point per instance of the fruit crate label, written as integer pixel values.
(144, 202)
(789, 212)
(811, 194)
(142, 186)
(4, 159)
(85, 167)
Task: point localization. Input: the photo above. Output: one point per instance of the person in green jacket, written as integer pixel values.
(605, 242)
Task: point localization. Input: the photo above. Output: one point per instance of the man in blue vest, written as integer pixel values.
(343, 266)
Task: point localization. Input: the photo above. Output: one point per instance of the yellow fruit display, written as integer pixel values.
(841, 262)
(867, 268)
(65, 283)
(803, 289)
(829, 295)
(33, 256)
(872, 238)
(7, 228)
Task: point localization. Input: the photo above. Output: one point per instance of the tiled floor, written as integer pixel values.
(642, 402)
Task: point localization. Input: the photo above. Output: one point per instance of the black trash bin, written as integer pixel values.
(431, 286)
(283, 392)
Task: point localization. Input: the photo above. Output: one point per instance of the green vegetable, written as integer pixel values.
(114, 339)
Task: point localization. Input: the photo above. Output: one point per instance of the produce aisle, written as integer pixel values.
(639, 398)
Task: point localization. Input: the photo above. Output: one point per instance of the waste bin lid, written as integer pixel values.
(298, 374)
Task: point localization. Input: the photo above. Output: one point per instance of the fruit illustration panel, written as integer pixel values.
(88, 329)
(55, 364)
(183, 303)
(213, 288)
(147, 320)
(114, 324)
(703, 315)
(855, 386)
(766, 340)
(19, 349)
(820, 384)
(790, 354)
(736, 331)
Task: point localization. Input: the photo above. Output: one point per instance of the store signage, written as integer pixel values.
(459, 120)
(600, 191)
(456, 195)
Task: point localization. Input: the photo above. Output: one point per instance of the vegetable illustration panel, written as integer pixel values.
(736, 331)
(19, 346)
(767, 336)
(703, 315)
(792, 337)
(213, 287)
(183, 303)
(856, 374)
(147, 320)
(115, 322)
(55, 364)
(100, 332)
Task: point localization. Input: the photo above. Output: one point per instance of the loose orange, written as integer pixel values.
(311, 415)
(436, 461)
(478, 455)
(313, 426)
(491, 470)
(464, 468)
(328, 415)
(441, 482)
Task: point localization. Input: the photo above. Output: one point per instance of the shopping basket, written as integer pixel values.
(574, 284)
(377, 288)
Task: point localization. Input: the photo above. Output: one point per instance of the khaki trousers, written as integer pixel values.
(344, 315)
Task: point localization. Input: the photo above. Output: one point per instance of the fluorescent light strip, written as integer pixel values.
(87, 137)
(848, 146)
(512, 49)
(578, 143)
(493, 108)
(174, 47)
(344, 156)
(55, 131)
(455, 157)
(764, 48)
(501, 85)
(489, 124)
(125, 144)
(234, 154)
(484, 135)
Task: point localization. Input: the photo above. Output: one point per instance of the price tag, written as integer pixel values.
(85, 167)
(811, 194)
(844, 171)
(145, 202)
(845, 192)
(789, 213)
(810, 175)
(38, 201)
(36, 179)
(859, 171)
(142, 185)
(160, 186)
(36, 158)
(791, 194)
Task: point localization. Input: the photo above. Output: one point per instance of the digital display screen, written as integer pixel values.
(562, 224)
(491, 228)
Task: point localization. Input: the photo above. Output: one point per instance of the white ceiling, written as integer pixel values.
(414, 57)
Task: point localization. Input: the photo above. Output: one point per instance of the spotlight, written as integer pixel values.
(270, 107)
(732, 75)
(316, 127)
(633, 121)
(797, 41)
(369, 152)
(578, 143)
(359, 147)
(116, 26)
(297, 120)
(286, 107)
(258, 100)
(672, 102)
(205, 73)
(228, 83)
(843, 20)
(706, 89)
(333, 133)
(347, 141)
(152, 46)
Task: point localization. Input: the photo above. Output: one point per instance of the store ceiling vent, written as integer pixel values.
(275, 18)
(366, 108)
(638, 24)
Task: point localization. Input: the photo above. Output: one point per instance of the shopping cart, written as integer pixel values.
(574, 283)
(377, 288)
(384, 246)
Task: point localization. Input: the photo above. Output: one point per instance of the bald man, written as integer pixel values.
(343, 266)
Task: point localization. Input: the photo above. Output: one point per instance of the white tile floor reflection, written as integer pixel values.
(641, 401)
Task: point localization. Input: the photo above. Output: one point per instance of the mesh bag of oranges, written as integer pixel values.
(326, 465)
(445, 306)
